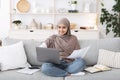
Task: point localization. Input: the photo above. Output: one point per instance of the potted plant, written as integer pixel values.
(73, 4)
(16, 23)
(111, 19)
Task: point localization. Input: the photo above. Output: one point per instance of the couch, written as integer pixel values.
(91, 58)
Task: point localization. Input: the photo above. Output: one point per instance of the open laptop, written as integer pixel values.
(47, 55)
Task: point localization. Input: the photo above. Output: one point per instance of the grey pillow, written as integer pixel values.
(29, 46)
(112, 44)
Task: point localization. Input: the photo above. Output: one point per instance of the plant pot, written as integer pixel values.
(15, 26)
(73, 6)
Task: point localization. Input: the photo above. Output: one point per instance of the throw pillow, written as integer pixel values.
(109, 58)
(13, 56)
(91, 56)
(29, 46)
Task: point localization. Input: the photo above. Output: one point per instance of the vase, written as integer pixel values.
(87, 7)
(33, 24)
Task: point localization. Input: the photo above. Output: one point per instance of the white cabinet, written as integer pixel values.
(44, 34)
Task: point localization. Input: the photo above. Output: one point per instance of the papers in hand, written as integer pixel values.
(79, 53)
(97, 68)
(28, 71)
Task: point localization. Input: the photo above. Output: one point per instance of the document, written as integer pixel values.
(79, 53)
(28, 71)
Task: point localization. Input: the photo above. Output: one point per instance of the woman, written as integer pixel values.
(65, 43)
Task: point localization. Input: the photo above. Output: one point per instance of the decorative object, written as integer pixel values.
(23, 6)
(49, 26)
(14, 10)
(87, 7)
(40, 26)
(73, 5)
(61, 10)
(72, 25)
(111, 19)
(33, 24)
(17, 24)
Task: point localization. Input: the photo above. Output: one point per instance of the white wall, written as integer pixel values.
(4, 18)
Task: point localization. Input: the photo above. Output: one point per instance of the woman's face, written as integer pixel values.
(62, 29)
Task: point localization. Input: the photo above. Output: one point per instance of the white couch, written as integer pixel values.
(91, 58)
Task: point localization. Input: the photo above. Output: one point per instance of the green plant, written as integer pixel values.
(111, 19)
(17, 22)
(73, 2)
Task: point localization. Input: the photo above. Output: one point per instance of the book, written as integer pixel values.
(28, 70)
(97, 68)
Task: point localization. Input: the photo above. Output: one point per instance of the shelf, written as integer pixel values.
(32, 13)
(52, 13)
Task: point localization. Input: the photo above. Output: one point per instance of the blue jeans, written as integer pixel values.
(64, 68)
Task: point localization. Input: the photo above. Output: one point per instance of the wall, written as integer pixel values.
(4, 18)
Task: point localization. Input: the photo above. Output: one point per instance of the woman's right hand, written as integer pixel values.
(68, 59)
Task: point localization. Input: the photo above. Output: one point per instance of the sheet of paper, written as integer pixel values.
(79, 53)
(28, 71)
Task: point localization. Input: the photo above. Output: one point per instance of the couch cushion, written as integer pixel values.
(112, 44)
(92, 54)
(91, 57)
(13, 56)
(29, 46)
(107, 75)
(14, 75)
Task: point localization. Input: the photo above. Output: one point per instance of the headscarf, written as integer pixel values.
(66, 22)
(65, 43)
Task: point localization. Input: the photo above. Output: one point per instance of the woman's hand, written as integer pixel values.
(68, 59)
(64, 57)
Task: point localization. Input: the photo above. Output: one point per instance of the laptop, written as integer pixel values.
(47, 55)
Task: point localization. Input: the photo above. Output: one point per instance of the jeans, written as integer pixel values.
(64, 68)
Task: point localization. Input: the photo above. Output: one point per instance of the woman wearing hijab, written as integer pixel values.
(66, 44)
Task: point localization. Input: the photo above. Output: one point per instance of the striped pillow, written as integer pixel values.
(109, 58)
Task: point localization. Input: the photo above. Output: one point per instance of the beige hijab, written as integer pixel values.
(65, 43)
